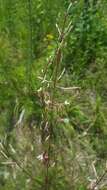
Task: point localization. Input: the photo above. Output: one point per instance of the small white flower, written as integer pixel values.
(66, 102)
(66, 120)
(40, 157)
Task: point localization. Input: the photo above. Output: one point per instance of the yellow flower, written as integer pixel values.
(49, 36)
(49, 47)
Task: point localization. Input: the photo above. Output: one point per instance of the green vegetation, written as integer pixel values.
(53, 95)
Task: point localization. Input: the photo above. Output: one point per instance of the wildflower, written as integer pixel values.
(66, 120)
(49, 36)
(43, 157)
(40, 157)
(66, 102)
